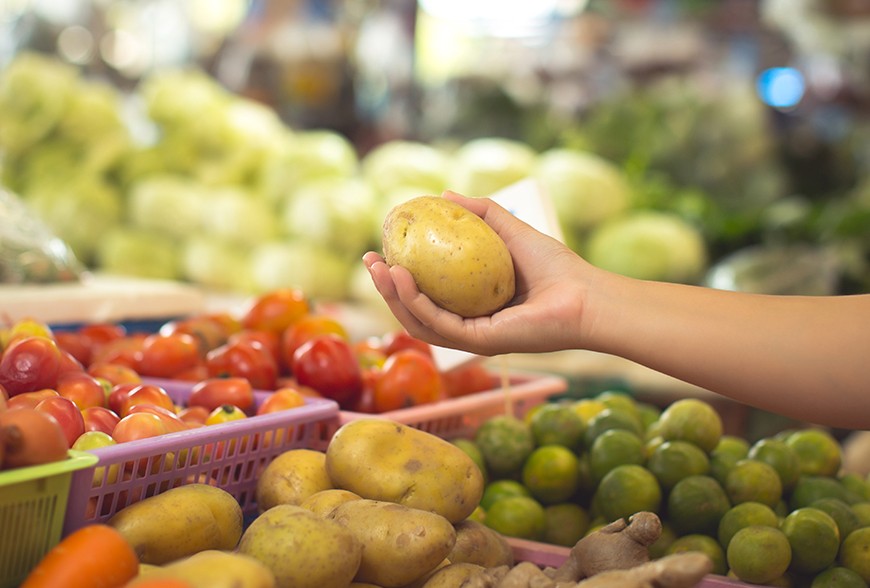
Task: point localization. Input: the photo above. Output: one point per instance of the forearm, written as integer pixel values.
(804, 357)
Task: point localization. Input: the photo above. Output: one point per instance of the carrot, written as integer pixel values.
(96, 556)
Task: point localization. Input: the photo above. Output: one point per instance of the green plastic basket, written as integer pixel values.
(32, 509)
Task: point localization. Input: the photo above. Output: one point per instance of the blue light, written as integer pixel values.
(781, 87)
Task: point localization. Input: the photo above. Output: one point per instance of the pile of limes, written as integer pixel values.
(777, 511)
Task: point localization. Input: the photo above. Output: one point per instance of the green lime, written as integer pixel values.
(745, 514)
(478, 514)
(838, 577)
(611, 418)
(843, 514)
(473, 451)
(704, 544)
(648, 413)
(505, 442)
(728, 452)
(627, 489)
(782, 457)
(613, 448)
(552, 474)
(517, 516)
(672, 461)
(498, 489)
(692, 420)
(814, 539)
(696, 504)
(857, 484)
(619, 401)
(808, 489)
(758, 554)
(818, 450)
(855, 552)
(862, 511)
(567, 523)
(557, 424)
(752, 480)
(586, 408)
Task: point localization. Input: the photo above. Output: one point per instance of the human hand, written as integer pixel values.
(544, 315)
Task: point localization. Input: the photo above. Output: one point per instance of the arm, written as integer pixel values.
(803, 357)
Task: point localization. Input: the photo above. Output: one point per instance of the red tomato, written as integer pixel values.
(244, 359)
(209, 333)
(305, 329)
(31, 399)
(123, 351)
(114, 373)
(194, 374)
(275, 311)
(194, 415)
(467, 379)
(40, 438)
(327, 364)
(100, 418)
(118, 395)
(76, 344)
(408, 378)
(163, 356)
(146, 394)
(170, 419)
(101, 333)
(82, 388)
(139, 425)
(268, 339)
(397, 340)
(67, 414)
(214, 392)
(30, 363)
(282, 399)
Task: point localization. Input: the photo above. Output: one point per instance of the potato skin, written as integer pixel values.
(292, 477)
(302, 549)
(478, 544)
(400, 544)
(212, 569)
(180, 522)
(384, 460)
(456, 259)
(322, 503)
(456, 574)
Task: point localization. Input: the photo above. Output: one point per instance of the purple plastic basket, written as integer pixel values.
(229, 455)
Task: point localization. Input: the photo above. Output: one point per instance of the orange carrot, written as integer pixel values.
(96, 556)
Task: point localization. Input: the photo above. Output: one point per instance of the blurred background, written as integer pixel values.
(244, 145)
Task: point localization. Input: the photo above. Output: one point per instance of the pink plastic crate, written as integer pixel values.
(460, 417)
(230, 455)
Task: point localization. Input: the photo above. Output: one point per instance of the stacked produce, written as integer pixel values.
(182, 180)
(775, 510)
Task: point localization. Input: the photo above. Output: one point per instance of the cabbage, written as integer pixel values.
(216, 264)
(585, 188)
(239, 216)
(395, 164)
(649, 245)
(169, 203)
(138, 252)
(334, 213)
(315, 270)
(486, 165)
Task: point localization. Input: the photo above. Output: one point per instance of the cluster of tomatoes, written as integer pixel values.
(93, 381)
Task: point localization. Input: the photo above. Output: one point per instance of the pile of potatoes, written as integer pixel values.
(385, 506)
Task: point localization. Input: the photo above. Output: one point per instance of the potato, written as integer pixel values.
(456, 259)
(478, 544)
(292, 477)
(384, 460)
(322, 503)
(180, 522)
(400, 544)
(213, 569)
(456, 574)
(302, 549)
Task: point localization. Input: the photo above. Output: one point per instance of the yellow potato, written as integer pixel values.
(456, 259)
(400, 544)
(322, 503)
(180, 522)
(292, 477)
(384, 460)
(213, 569)
(303, 550)
(456, 574)
(478, 544)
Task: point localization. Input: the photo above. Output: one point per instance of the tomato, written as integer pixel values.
(30, 363)
(31, 437)
(101, 333)
(25, 327)
(118, 395)
(327, 364)
(99, 418)
(224, 414)
(163, 356)
(4, 398)
(31, 399)
(244, 359)
(123, 351)
(139, 425)
(114, 373)
(146, 394)
(305, 329)
(467, 379)
(67, 414)
(169, 418)
(271, 341)
(275, 311)
(369, 352)
(76, 345)
(82, 388)
(213, 392)
(209, 333)
(282, 399)
(408, 378)
(401, 339)
(194, 374)
(194, 415)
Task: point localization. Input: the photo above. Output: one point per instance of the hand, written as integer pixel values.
(545, 314)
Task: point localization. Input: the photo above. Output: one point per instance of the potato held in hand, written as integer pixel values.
(456, 259)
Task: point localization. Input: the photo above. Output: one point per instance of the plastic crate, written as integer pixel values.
(33, 504)
(229, 455)
(460, 417)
